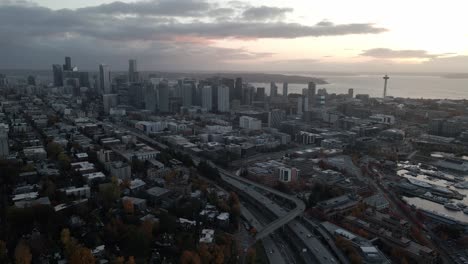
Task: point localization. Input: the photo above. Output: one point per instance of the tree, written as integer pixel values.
(119, 260)
(251, 255)
(147, 228)
(190, 257)
(82, 255)
(131, 260)
(23, 253)
(204, 253)
(110, 192)
(63, 160)
(65, 236)
(3, 252)
(128, 206)
(53, 149)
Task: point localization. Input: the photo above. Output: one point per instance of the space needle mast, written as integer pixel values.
(385, 85)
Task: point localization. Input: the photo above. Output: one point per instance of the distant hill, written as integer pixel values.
(456, 76)
(246, 76)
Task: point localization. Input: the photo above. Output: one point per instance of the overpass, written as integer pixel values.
(239, 183)
(284, 216)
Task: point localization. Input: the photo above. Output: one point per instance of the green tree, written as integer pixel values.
(53, 149)
(110, 192)
(64, 161)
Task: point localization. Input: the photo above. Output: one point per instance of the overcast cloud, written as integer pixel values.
(165, 33)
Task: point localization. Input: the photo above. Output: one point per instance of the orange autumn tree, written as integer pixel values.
(23, 253)
(190, 257)
(82, 255)
(128, 206)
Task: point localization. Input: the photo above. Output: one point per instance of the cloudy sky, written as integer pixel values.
(257, 35)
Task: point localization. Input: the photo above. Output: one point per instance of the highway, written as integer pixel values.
(312, 244)
(328, 238)
(272, 251)
(283, 216)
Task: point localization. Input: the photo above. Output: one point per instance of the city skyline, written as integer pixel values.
(254, 36)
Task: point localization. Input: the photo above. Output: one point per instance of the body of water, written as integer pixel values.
(429, 87)
(433, 206)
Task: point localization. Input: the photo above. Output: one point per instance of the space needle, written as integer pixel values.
(385, 85)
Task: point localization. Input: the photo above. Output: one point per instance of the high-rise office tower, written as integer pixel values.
(311, 90)
(300, 102)
(260, 95)
(136, 95)
(285, 89)
(351, 93)
(58, 75)
(67, 66)
(187, 94)
(231, 84)
(150, 97)
(207, 97)
(133, 75)
(105, 79)
(248, 94)
(223, 98)
(273, 89)
(4, 147)
(163, 97)
(31, 80)
(275, 117)
(109, 101)
(238, 89)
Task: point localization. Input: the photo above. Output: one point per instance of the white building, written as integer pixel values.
(384, 119)
(288, 174)
(81, 192)
(248, 122)
(151, 127)
(207, 97)
(223, 98)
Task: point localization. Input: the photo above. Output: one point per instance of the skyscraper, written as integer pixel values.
(275, 117)
(311, 90)
(163, 97)
(207, 97)
(58, 75)
(109, 101)
(260, 95)
(104, 79)
(248, 94)
(230, 83)
(31, 80)
(351, 92)
(273, 89)
(150, 97)
(285, 89)
(132, 71)
(187, 94)
(223, 98)
(67, 66)
(238, 89)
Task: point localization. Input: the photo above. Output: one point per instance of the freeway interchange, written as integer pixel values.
(308, 247)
